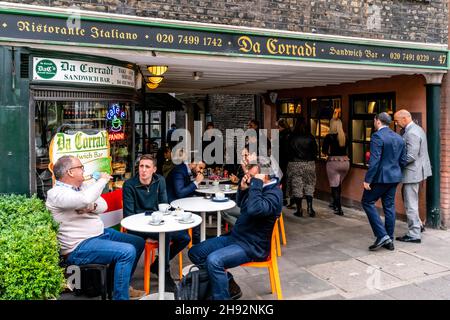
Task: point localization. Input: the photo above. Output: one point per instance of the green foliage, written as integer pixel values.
(29, 251)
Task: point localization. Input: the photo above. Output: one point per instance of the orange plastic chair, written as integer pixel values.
(283, 232)
(271, 264)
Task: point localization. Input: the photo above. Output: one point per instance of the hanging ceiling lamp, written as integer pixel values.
(152, 86)
(155, 79)
(157, 70)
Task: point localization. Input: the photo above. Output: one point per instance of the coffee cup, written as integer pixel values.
(186, 216)
(164, 207)
(220, 195)
(227, 187)
(156, 217)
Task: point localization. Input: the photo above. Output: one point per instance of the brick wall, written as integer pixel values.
(231, 111)
(412, 20)
(445, 151)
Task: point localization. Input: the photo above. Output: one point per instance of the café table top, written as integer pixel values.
(140, 223)
(214, 189)
(200, 204)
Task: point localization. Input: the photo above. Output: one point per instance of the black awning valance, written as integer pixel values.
(163, 101)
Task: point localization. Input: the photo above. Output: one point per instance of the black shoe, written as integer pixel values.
(379, 243)
(169, 284)
(339, 212)
(422, 229)
(389, 246)
(298, 213)
(407, 238)
(291, 206)
(332, 206)
(311, 212)
(234, 289)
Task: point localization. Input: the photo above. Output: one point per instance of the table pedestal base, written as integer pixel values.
(155, 296)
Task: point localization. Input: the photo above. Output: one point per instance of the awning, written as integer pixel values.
(163, 101)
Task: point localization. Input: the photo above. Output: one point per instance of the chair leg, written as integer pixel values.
(277, 241)
(276, 275)
(103, 281)
(272, 280)
(190, 235)
(283, 232)
(180, 264)
(147, 263)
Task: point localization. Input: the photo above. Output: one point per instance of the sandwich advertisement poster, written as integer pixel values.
(92, 150)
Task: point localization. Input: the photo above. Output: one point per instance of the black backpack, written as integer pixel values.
(194, 285)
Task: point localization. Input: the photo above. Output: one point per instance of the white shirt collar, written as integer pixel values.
(65, 185)
(409, 124)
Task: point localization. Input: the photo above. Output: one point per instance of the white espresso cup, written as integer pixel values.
(186, 216)
(227, 187)
(163, 207)
(156, 217)
(220, 195)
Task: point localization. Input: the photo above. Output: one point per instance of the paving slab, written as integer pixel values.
(411, 292)
(402, 265)
(353, 275)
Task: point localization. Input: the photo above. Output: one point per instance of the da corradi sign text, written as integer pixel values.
(61, 70)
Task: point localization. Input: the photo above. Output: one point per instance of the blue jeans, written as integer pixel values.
(216, 255)
(385, 191)
(112, 247)
(180, 240)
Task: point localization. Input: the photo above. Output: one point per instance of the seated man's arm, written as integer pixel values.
(128, 200)
(80, 199)
(182, 191)
(260, 204)
(162, 192)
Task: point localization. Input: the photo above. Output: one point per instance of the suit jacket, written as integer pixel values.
(418, 167)
(387, 157)
(179, 184)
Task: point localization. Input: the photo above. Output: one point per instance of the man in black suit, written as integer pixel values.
(387, 158)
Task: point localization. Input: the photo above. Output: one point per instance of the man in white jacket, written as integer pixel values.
(76, 207)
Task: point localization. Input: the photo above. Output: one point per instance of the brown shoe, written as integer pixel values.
(135, 294)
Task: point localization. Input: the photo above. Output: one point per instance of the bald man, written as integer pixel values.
(418, 168)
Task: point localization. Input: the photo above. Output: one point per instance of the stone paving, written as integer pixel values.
(327, 257)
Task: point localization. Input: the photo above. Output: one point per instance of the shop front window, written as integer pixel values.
(322, 109)
(90, 117)
(289, 110)
(363, 108)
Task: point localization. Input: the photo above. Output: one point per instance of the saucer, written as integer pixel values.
(156, 224)
(220, 200)
(186, 222)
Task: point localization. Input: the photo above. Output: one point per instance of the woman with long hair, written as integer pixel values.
(338, 163)
(301, 168)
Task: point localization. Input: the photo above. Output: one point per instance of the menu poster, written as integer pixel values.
(92, 150)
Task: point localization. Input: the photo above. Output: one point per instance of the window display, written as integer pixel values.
(363, 108)
(89, 117)
(321, 111)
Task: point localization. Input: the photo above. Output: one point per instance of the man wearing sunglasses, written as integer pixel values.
(83, 238)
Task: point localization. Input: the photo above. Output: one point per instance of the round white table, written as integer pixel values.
(214, 189)
(140, 223)
(202, 205)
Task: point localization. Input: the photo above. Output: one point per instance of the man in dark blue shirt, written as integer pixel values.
(260, 199)
(143, 193)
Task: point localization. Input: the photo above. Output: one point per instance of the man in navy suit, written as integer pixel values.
(180, 185)
(387, 158)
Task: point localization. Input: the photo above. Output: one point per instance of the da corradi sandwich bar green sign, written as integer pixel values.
(128, 33)
(49, 69)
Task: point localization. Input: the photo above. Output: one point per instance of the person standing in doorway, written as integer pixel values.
(338, 163)
(387, 157)
(301, 180)
(418, 169)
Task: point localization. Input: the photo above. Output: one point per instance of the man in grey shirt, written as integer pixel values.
(418, 168)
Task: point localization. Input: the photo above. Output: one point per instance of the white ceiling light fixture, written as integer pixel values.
(196, 75)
